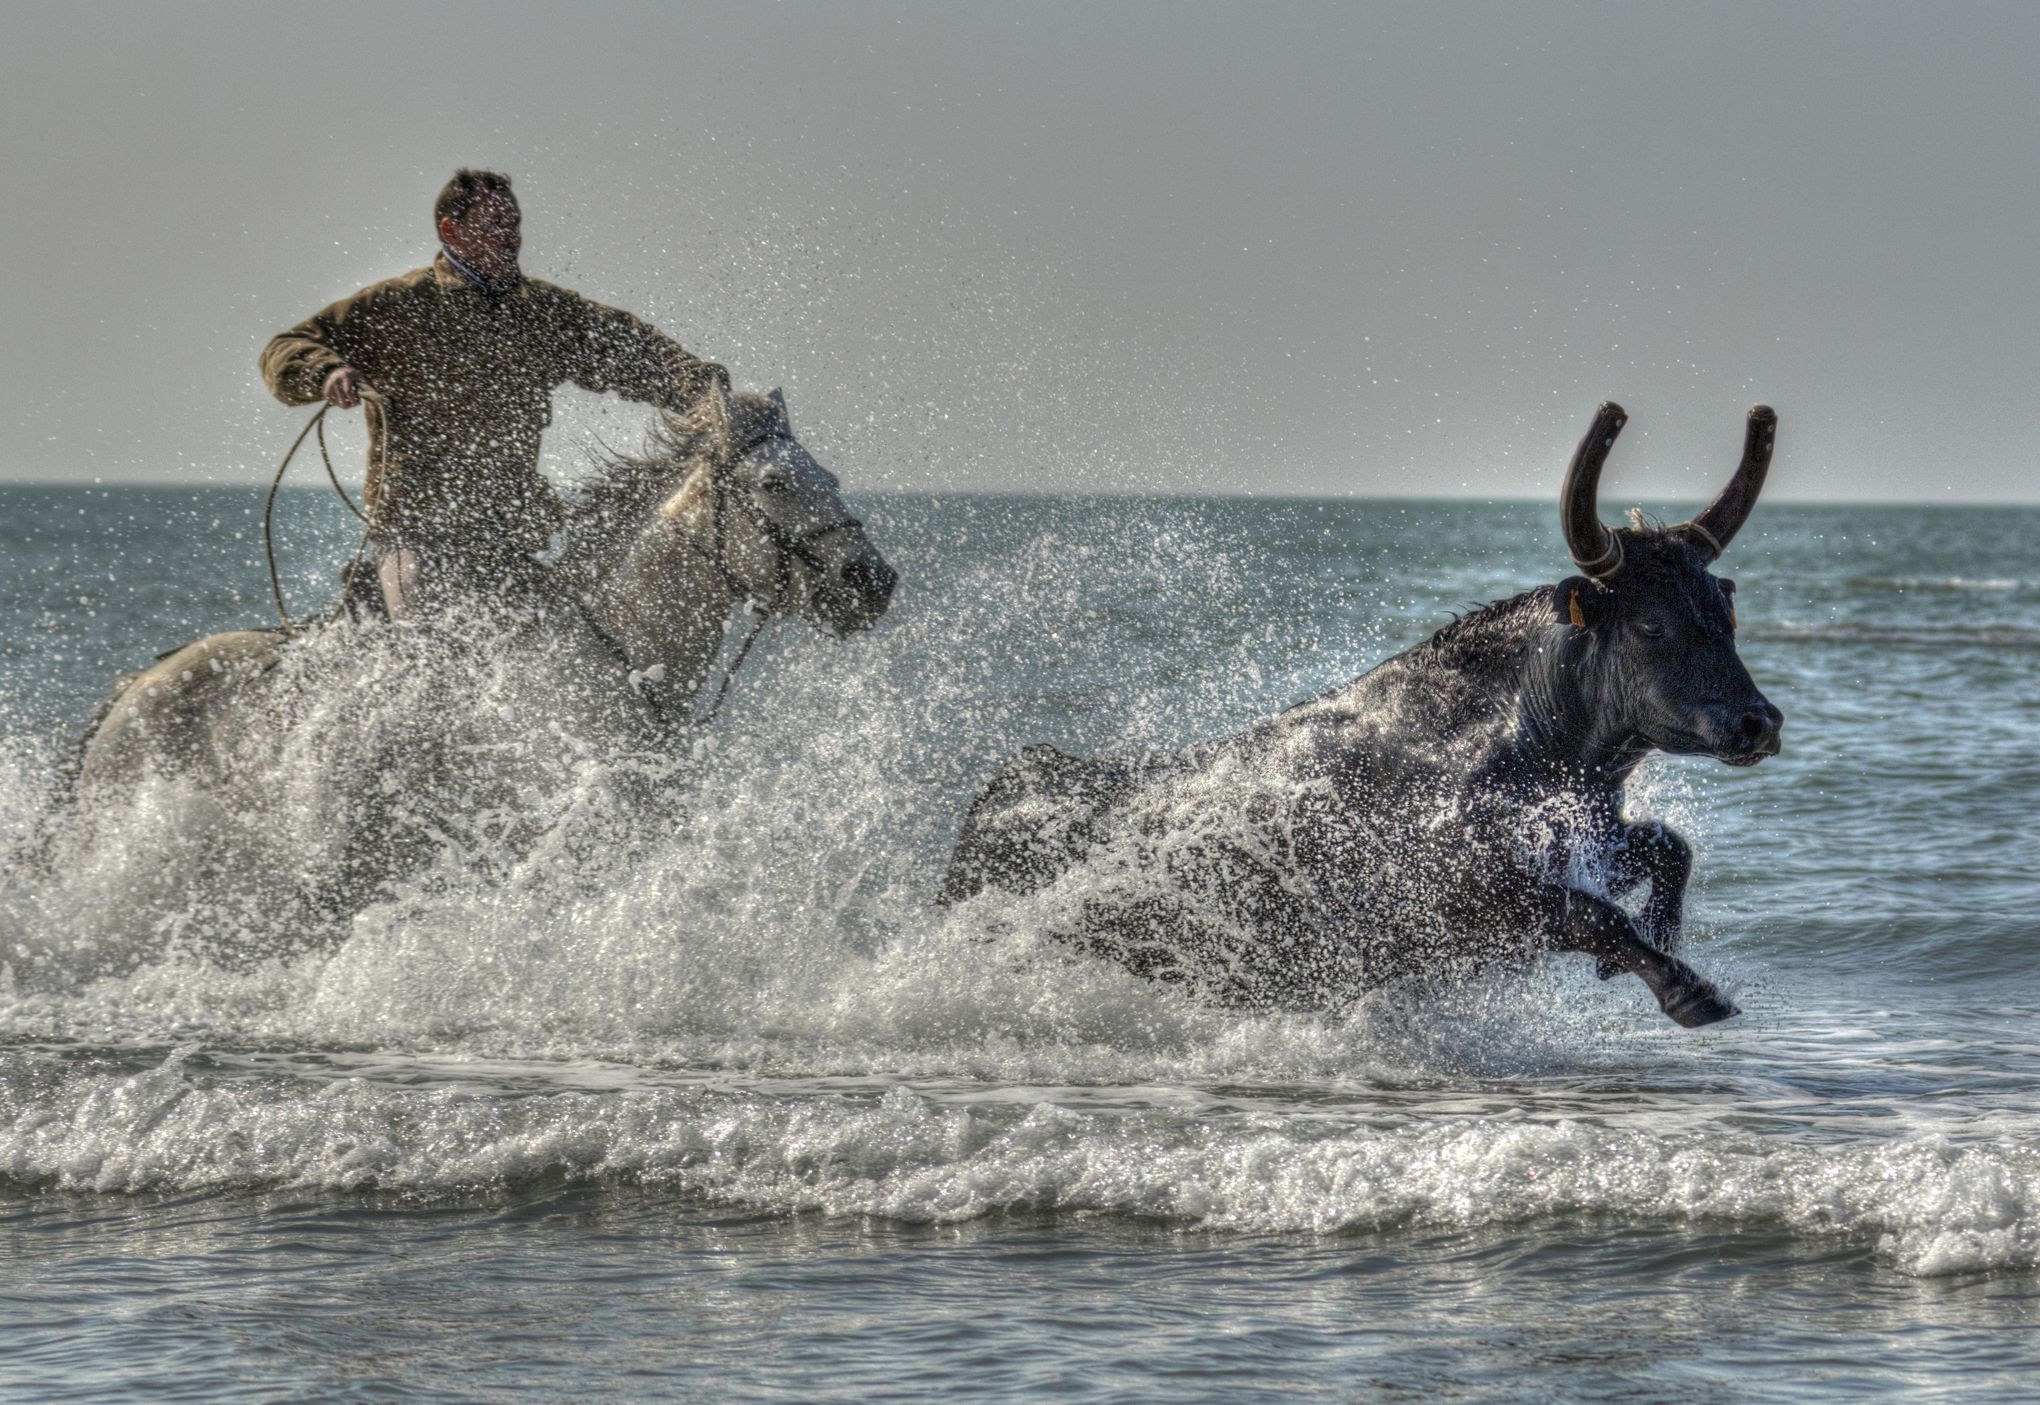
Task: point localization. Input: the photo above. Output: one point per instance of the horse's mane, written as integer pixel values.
(626, 488)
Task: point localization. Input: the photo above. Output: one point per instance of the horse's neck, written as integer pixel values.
(666, 600)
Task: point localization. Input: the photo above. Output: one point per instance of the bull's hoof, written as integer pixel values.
(1698, 1005)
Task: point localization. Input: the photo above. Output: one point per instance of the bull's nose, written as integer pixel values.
(1756, 731)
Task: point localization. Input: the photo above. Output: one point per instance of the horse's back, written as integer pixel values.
(163, 714)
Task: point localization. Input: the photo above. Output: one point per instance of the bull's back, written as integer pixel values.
(1043, 812)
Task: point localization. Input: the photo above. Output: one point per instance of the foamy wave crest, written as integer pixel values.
(1930, 1204)
(1989, 636)
(1902, 583)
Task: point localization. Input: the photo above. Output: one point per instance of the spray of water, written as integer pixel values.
(718, 967)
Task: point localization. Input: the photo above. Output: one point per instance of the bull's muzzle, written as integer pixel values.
(1751, 733)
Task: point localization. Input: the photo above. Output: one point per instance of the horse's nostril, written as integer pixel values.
(870, 578)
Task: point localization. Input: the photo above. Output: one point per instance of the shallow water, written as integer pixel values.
(730, 1111)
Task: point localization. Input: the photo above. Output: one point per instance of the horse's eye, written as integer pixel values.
(1652, 631)
(775, 484)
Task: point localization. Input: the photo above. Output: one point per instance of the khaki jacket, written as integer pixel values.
(466, 386)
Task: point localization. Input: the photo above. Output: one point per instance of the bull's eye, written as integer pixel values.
(775, 484)
(1651, 631)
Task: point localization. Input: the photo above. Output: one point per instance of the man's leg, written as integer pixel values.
(402, 573)
(421, 581)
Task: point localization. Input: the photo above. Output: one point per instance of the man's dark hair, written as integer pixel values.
(466, 187)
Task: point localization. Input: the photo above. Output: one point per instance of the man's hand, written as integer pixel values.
(549, 510)
(342, 388)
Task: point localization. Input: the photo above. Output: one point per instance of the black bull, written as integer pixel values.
(1459, 805)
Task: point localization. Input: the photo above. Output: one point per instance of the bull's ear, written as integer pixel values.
(1582, 603)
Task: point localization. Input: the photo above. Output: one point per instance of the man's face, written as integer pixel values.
(488, 237)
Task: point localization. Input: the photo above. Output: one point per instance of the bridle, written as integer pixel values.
(787, 547)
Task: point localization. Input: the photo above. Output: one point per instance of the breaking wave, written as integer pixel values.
(1992, 584)
(1948, 636)
(1933, 1205)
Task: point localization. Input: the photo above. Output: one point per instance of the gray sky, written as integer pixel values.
(1297, 248)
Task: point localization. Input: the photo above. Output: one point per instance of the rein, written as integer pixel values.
(785, 544)
(318, 423)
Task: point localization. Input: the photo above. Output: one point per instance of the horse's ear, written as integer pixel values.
(719, 415)
(778, 398)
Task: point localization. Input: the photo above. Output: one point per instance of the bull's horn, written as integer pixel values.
(1595, 549)
(1711, 532)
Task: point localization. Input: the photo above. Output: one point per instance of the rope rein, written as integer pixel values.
(729, 676)
(785, 544)
(317, 424)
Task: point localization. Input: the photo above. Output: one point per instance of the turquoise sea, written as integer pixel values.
(733, 1113)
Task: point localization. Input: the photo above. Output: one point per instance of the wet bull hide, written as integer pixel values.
(1458, 806)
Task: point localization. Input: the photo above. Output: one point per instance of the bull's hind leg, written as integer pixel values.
(1605, 932)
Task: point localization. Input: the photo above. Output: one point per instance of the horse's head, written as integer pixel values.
(726, 506)
(779, 528)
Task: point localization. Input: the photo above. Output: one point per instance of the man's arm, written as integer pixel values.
(296, 364)
(604, 349)
(310, 361)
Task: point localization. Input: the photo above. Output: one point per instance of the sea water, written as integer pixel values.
(734, 1112)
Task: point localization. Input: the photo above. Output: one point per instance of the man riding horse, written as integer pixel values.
(458, 361)
(306, 774)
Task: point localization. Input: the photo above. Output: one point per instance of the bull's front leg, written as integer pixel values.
(1581, 922)
(1655, 854)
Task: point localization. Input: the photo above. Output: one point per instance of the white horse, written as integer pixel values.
(341, 739)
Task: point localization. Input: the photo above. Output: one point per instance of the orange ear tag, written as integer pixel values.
(1579, 617)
